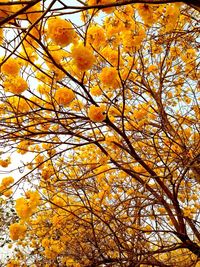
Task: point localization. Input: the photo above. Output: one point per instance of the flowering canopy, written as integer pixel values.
(100, 100)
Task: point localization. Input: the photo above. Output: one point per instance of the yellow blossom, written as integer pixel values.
(23, 208)
(96, 114)
(16, 85)
(17, 104)
(8, 193)
(6, 181)
(34, 198)
(64, 96)
(17, 230)
(10, 67)
(109, 77)
(96, 91)
(5, 162)
(83, 57)
(96, 36)
(26, 207)
(13, 263)
(60, 31)
(5, 10)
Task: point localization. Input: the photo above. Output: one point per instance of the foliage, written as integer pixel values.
(101, 101)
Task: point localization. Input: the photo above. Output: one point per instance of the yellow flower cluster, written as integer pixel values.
(64, 96)
(5, 183)
(60, 31)
(31, 15)
(17, 230)
(13, 263)
(146, 13)
(5, 162)
(33, 12)
(109, 77)
(96, 91)
(111, 55)
(96, 114)
(5, 10)
(23, 146)
(83, 57)
(25, 207)
(34, 197)
(52, 247)
(10, 67)
(17, 104)
(16, 85)
(96, 36)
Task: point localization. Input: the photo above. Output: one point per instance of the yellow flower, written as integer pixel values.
(34, 198)
(96, 36)
(33, 13)
(17, 104)
(5, 10)
(23, 146)
(23, 208)
(28, 53)
(64, 96)
(16, 85)
(8, 193)
(13, 263)
(152, 68)
(17, 230)
(5, 162)
(114, 112)
(109, 77)
(83, 57)
(76, 105)
(96, 114)
(111, 55)
(60, 31)
(6, 181)
(26, 207)
(96, 91)
(146, 13)
(10, 67)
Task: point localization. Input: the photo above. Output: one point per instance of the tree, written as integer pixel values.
(104, 112)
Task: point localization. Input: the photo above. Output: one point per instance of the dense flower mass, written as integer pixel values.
(15, 85)
(25, 207)
(6, 181)
(109, 77)
(96, 36)
(60, 31)
(5, 184)
(5, 10)
(10, 67)
(64, 96)
(5, 162)
(96, 91)
(83, 57)
(97, 114)
(99, 100)
(17, 230)
(17, 104)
